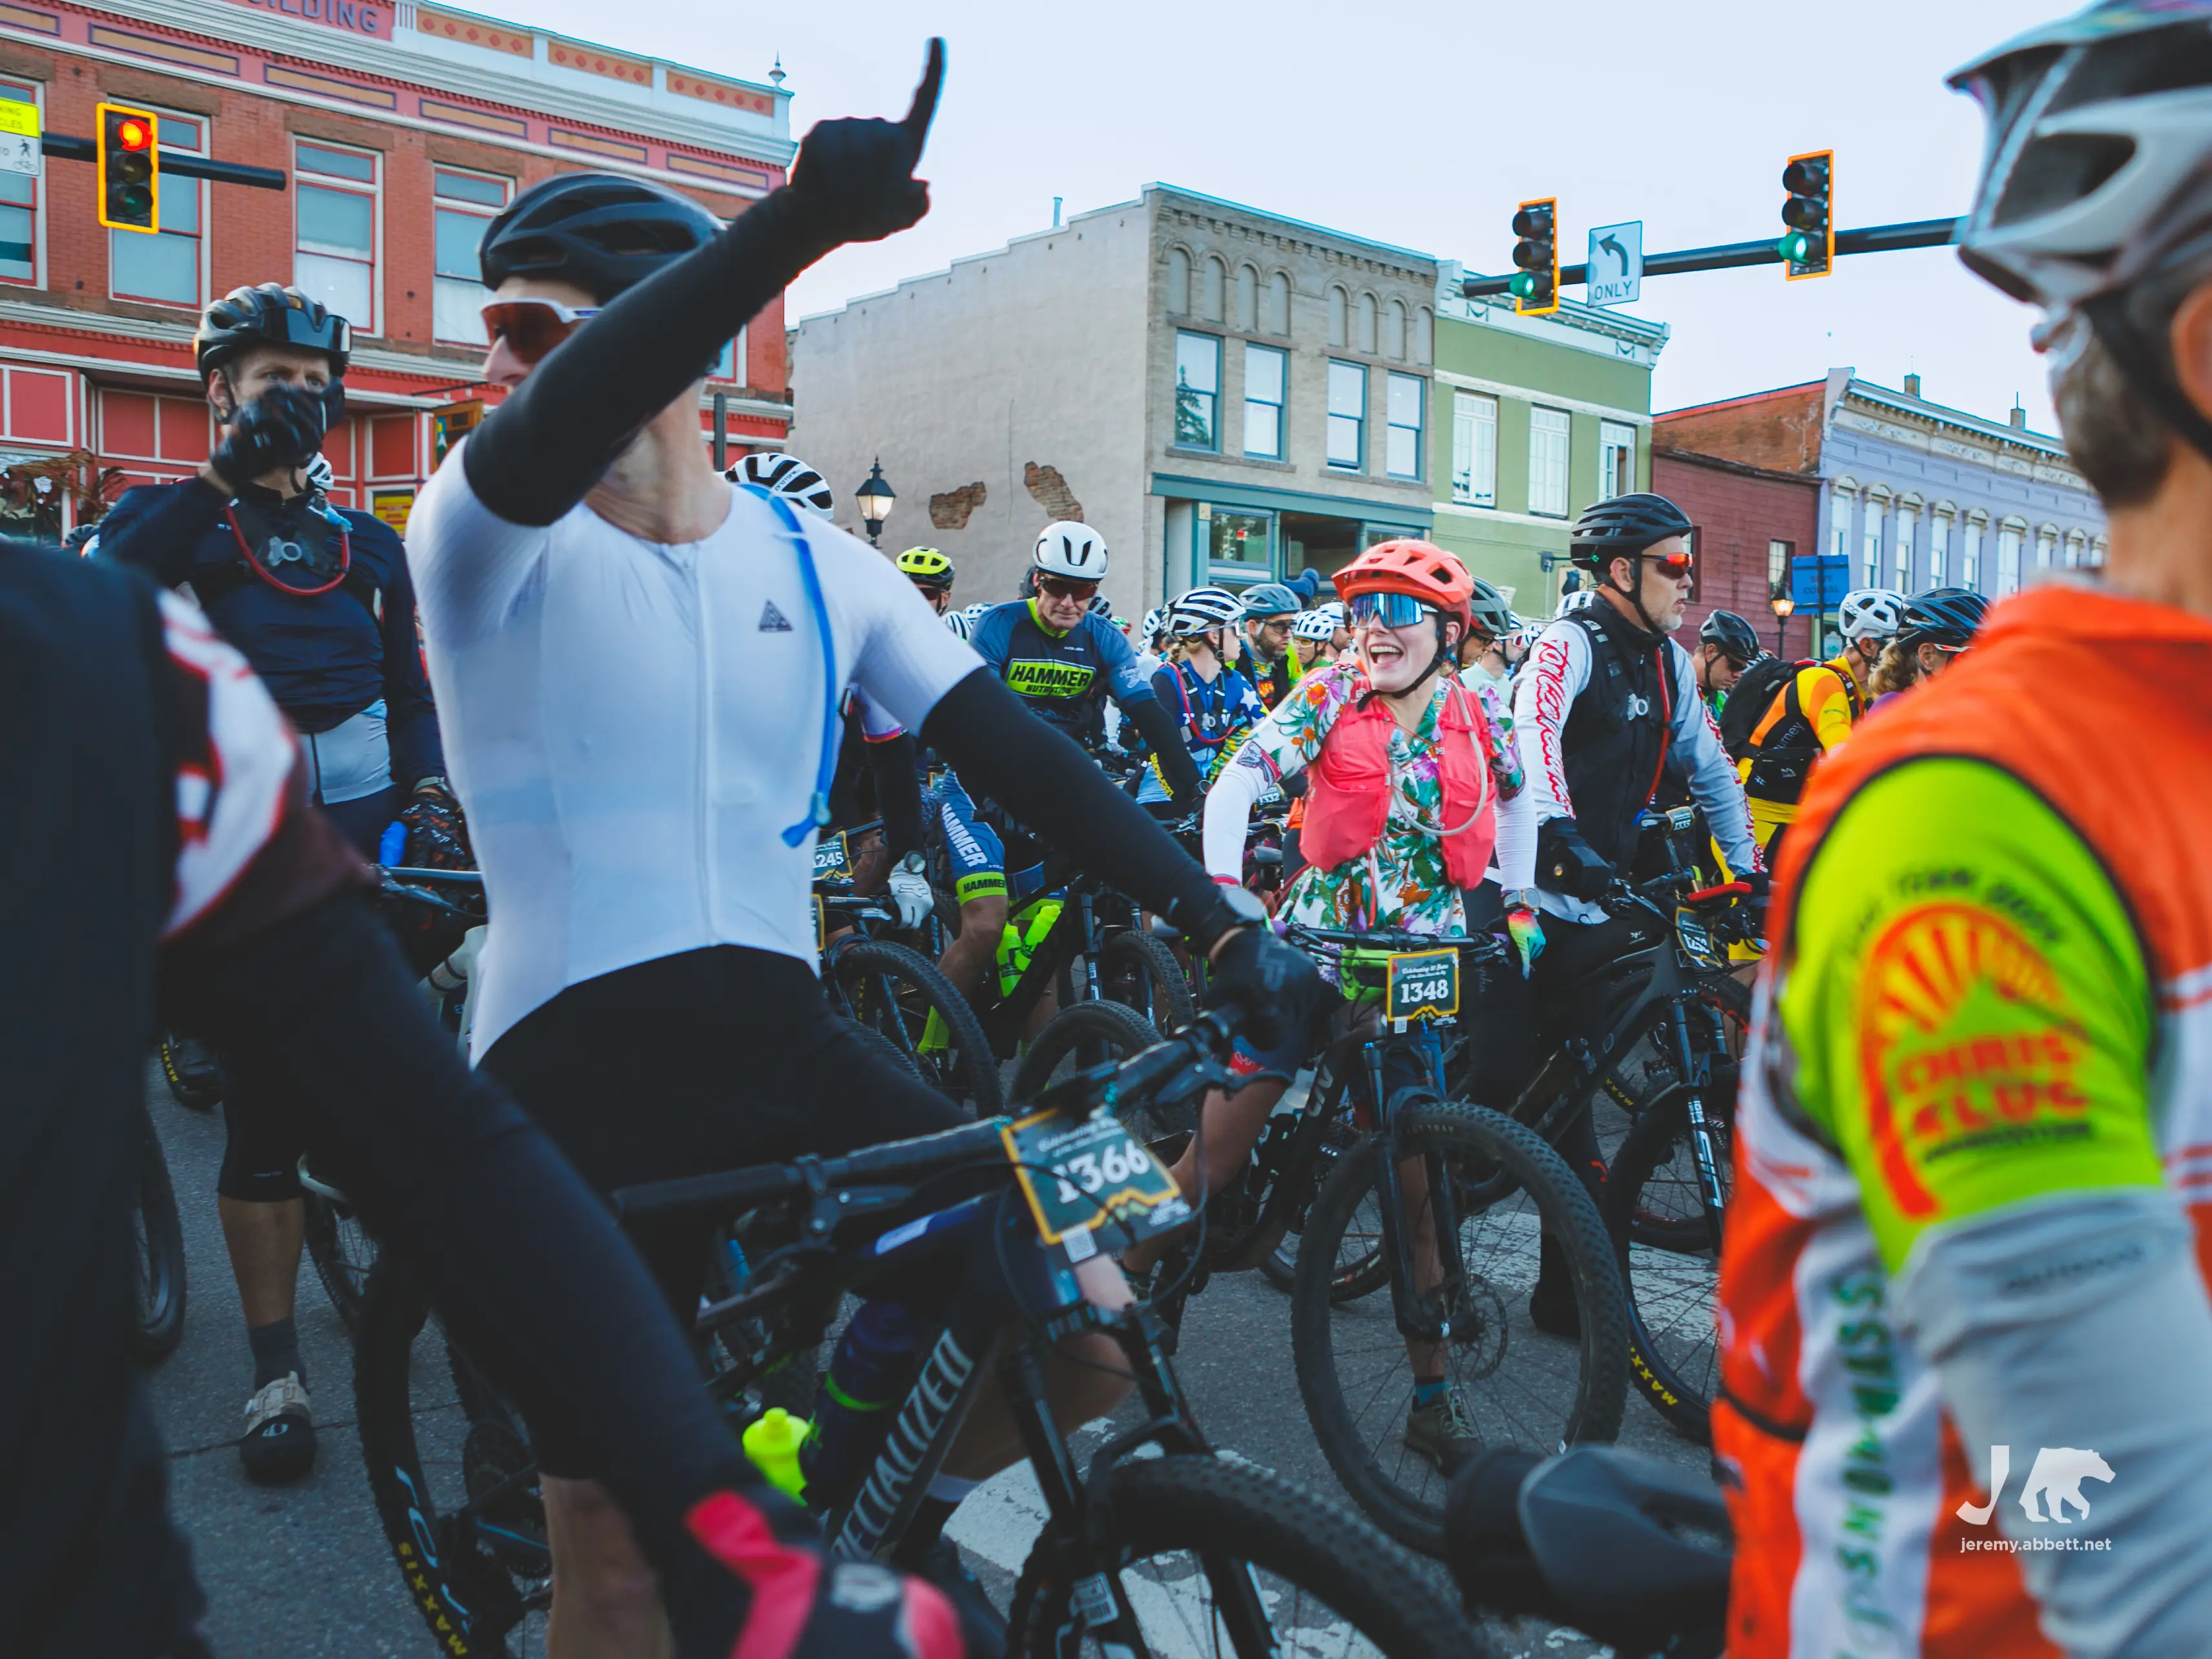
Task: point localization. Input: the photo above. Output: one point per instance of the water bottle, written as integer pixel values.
(391, 845)
(867, 1377)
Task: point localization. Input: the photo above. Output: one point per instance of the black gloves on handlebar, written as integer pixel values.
(281, 428)
(1565, 863)
(1278, 988)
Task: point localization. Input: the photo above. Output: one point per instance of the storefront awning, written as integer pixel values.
(1256, 499)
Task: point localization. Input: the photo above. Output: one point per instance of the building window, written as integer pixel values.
(1877, 507)
(165, 268)
(1474, 449)
(334, 260)
(1347, 416)
(2077, 550)
(1339, 314)
(1548, 430)
(1908, 521)
(1198, 391)
(2046, 547)
(1365, 313)
(1178, 295)
(1402, 404)
(1616, 460)
(1277, 318)
(463, 204)
(2009, 537)
(1840, 523)
(1213, 279)
(1264, 371)
(1939, 548)
(19, 202)
(1969, 555)
(1779, 554)
(1240, 539)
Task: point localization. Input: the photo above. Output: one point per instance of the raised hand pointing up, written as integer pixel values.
(856, 178)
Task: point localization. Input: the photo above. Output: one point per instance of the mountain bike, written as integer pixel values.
(1155, 1546)
(194, 1079)
(157, 1251)
(1442, 1204)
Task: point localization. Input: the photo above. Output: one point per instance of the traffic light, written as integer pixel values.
(129, 169)
(1535, 285)
(1808, 246)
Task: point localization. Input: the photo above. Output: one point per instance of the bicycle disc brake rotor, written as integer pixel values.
(1478, 1328)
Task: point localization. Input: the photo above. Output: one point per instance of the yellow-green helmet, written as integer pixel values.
(925, 567)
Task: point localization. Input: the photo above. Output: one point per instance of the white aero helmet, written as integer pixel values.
(1156, 620)
(785, 476)
(320, 477)
(961, 624)
(1871, 613)
(1075, 550)
(1201, 610)
(1316, 625)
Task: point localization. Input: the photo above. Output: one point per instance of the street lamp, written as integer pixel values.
(1784, 604)
(875, 498)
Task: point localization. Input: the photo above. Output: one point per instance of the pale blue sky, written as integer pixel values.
(1422, 124)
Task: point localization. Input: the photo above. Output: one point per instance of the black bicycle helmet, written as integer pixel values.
(1623, 526)
(268, 315)
(598, 231)
(1942, 616)
(1487, 609)
(1732, 634)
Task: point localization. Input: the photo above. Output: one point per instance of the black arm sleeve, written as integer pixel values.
(156, 527)
(898, 794)
(527, 1267)
(1150, 717)
(1003, 752)
(557, 435)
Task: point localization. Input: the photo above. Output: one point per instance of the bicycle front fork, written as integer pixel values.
(1696, 1072)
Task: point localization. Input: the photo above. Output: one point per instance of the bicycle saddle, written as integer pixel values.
(1621, 1547)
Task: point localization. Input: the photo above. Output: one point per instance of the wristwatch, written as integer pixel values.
(1521, 898)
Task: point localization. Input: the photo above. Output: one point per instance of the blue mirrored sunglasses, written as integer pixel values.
(1391, 610)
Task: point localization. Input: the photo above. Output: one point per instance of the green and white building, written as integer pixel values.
(1536, 418)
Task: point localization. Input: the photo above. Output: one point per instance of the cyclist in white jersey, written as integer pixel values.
(644, 663)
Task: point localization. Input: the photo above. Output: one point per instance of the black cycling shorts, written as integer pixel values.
(713, 1059)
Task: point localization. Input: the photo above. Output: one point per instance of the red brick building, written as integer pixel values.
(402, 129)
(1751, 521)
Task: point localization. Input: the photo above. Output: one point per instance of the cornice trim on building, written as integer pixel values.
(226, 21)
(1940, 415)
(1531, 395)
(1499, 515)
(1334, 241)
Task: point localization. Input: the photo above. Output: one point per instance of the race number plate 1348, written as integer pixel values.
(1091, 1173)
(1424, 985)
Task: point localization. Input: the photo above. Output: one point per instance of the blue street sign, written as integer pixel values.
(1815, 579)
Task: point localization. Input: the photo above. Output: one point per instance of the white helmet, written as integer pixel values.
(785, 476)
(1872, 613)
(1156, 620)
(1201, 610)
(961, 624)
(1066, 548)
(1581, 599)
(1316, 625)
(320, 478)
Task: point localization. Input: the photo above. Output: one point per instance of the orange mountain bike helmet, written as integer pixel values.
(1406, 565)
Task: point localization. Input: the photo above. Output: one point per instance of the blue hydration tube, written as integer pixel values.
(817, 808)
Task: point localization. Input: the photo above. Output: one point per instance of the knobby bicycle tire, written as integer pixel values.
(1233, 1513)
(1139, 972)
(1731, 1001)
(1353, 1279)
(343, 1253)
(1090, 1033)
(966, 1070)
(198, 1087)
(1670, 1287)
(1396, 1485)
(158, 1253)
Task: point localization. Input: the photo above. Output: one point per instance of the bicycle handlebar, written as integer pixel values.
(1726, 889)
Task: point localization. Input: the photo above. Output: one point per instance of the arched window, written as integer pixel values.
(2012, 534)
(1339, 306)
(1908, 535)
(1971, 537)
(1213, 279)
(1871, 520)
(1424, 323)
(1394, 341)
(1248, 299)
(2096, 560)
(2046, 546)
(2077, 549)
(1844, 498)
(1941, 522)
(1277, 320)
(1178, 296)
(1364, 340)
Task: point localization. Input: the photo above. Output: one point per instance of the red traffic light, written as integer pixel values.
(133, 134)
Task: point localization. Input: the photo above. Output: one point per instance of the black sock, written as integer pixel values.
(928, 1527)
(276, 1351)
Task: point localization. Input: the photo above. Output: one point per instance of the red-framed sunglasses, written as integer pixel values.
(532, 327)
(1675, 565)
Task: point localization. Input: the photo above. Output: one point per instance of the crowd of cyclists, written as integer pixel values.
(1967, 1204)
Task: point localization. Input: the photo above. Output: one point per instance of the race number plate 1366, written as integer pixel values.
(1091, 1173)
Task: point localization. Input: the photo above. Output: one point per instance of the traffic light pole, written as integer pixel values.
(1874, 238)
(65, 149)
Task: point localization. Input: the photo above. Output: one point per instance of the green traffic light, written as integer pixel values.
(1796, 247)
(1523, 285)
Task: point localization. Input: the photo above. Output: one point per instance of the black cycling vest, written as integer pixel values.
(1614, 742)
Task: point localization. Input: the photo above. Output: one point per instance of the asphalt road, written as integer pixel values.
(302, 1572)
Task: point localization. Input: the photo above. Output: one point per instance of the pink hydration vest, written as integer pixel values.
(1348, 800)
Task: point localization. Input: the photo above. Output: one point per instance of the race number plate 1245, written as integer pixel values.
(1090, 1173)
(832, 860)
(1424, 985)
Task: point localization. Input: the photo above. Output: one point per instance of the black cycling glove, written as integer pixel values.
(1276, 985)
(281, 428)
(437, 835)
(1565, 863)
(854, 178)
